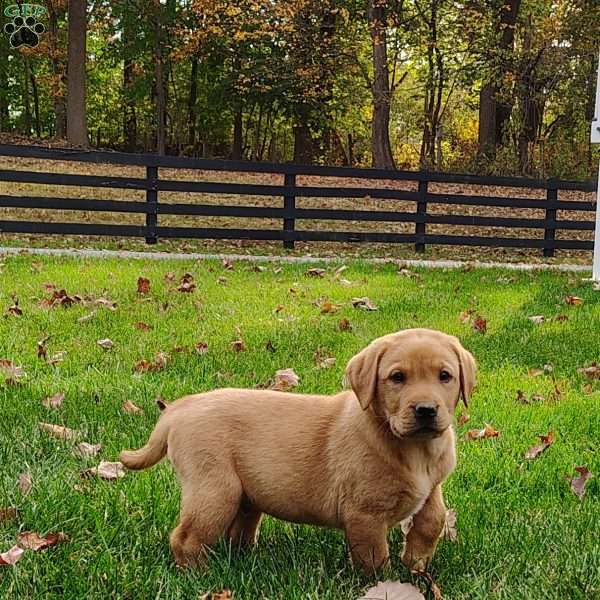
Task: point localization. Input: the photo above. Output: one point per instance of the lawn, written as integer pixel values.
(522, 532)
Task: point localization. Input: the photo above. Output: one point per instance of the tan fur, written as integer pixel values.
(354, 460)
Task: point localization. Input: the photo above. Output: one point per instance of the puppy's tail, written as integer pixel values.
(152, 452)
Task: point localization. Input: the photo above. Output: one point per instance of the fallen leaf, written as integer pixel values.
(533, 452)
(344, 325)
(31, 540)
(279, 308)
(130, 408)
(285, 379)
(143, 285)
(56, 358)
(11, 372)
(323, 360)
(143, 326)
(53, 401)
(227, 264)
(41, 348)
(578, 482)
(58, 431)
(105, 344)
(465, 315)
(560, 318)
(449, 531)
(157, 364)
(363, 304)
(25, 483)
(464, 418)
(105, 470)
(479, 324)
(591, 372)
(12, 556)
(85, 450)
(392, 590)
(588, 389)
(8, 514)
(104, 302)
(537, 319)
(222, 595)
(573, 300)
(14, 310)
(222, 280)
(201, 348)
(186, 284)
(257, 269)
(238, 346)
(169, 277)
(315, 272)
(328, 307)
(60, 298)
(487, 432)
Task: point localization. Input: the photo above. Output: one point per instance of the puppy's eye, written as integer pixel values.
(398, 377)
(445, 376)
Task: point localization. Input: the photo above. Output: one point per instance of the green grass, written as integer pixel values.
(522, 533)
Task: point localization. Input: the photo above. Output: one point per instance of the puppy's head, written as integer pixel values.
(413, 379)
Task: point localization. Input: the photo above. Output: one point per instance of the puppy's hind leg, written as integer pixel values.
(244, 529)
(208, 508)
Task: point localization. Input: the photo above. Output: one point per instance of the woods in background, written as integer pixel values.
(494, 86)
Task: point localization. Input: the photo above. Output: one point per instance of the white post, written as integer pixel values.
(595, 139)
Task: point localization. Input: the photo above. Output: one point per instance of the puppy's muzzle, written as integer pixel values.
(425, 417)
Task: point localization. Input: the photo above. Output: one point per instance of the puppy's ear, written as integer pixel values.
(361, 373)
(468, 367)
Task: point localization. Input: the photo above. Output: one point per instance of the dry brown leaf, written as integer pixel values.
(238, 346)
(186, 284)
(157, 364)
(363, 304)
(41, 348)
(87, 317)
(85, 450)
(53, 401)
(393, 590)
(449, 531)
(105, 470)
(227, 264)
(315, 272)
(465, 315)
(130, 408)
(143, 326)
(591, 372)
(328, 307)
(169, 277)
(143, 285)
(279, 308)
(222, 595)
(285, 379)
(105, 344)
(12, 556)
(14, 310)
(487, 432)
(31, 540)
(56, 358)
(60, 298)
(201, 348)
(25, 483)
(104, 302)
(533, 452)
(11, 372)
(58, 431)
(578, 482)
(344, 325)
(464, 418)
(573, 300)
(323, 360)
(8, 514)
(479, 324)
(560, 318)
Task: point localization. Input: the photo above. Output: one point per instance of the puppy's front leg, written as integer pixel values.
(422, 539)
(367, 539)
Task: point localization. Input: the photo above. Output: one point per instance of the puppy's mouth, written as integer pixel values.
(418, 432)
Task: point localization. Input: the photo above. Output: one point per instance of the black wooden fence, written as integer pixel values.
(289, 213)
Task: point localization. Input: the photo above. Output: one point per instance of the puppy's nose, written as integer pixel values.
(426, 411)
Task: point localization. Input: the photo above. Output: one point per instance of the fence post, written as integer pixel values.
(550, 230)
(289, 207)
(152, 201)
(421, 212)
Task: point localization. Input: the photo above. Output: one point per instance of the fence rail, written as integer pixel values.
(289, 213)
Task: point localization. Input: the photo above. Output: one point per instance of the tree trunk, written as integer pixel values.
(57, 88)
(130, 132)
(238, 133)
(193, 96)
(26, 100)
(159, 82)
(4, 50)
(303, 141)
(380, 126)
(493, 112)
(36, 104)
(76, 78)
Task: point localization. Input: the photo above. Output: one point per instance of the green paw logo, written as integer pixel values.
(25, 28)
